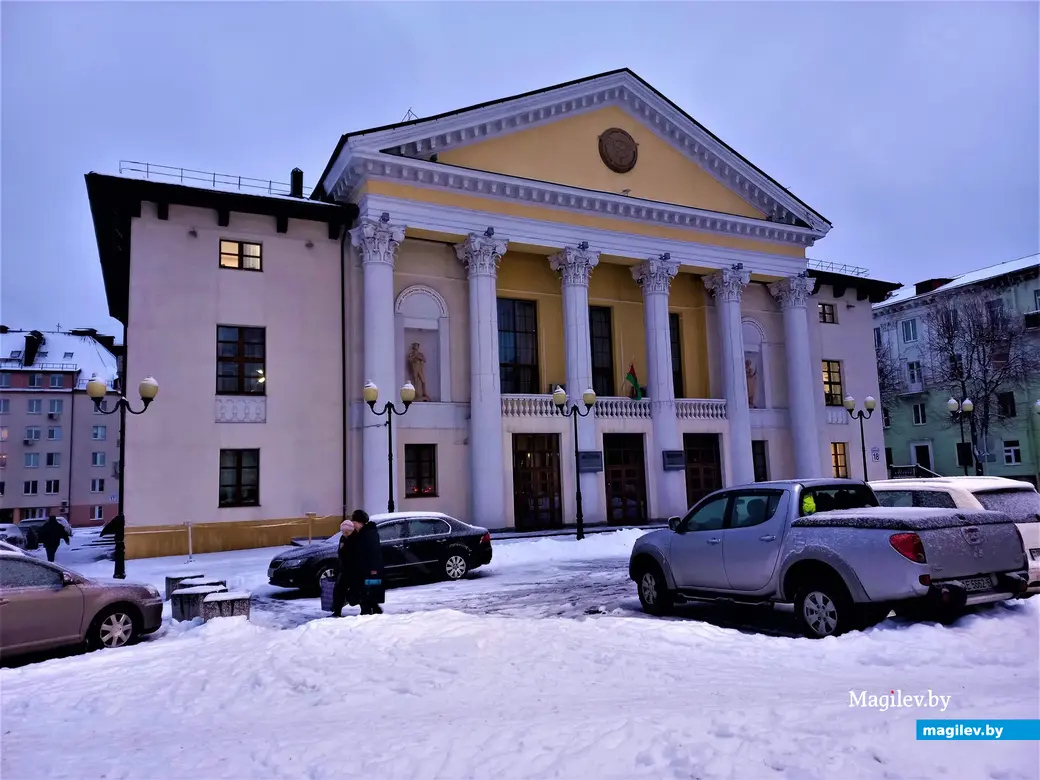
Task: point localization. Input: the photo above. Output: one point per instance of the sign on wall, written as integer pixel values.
(590, 462)
(875, 454)
(674, 460)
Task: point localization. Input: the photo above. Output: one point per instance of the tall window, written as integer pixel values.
(832, 389)
(242, 255)
(920, 417)
(239, 478)
(97, 459)
(1036, 299)
(674, 332)
(828, 314)
(518, 346)
(913, 372)
(909, 331)
(97, 485)
(5, 379)
(35, 406)
(877, 338)
(420, 470)
(839, 460)
(1006, 405)
(760, 459)
(53, 459)
(99, 432)
(1012, 452)
(30, 487)
(241, 360)
(55, 406)
(886, 417)
(5, 405)
(601, 339)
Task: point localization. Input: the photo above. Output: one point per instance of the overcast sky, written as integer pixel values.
(914, 127)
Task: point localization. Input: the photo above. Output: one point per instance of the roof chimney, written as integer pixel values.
(929, 284)
(296, 183)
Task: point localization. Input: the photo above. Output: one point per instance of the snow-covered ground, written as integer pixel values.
(483, 679)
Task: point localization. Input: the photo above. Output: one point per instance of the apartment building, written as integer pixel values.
(585, 236)
(956, 339)
(57, 454)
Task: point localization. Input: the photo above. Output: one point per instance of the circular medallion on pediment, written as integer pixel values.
(618, 150)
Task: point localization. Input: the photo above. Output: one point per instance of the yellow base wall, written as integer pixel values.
(164, 540)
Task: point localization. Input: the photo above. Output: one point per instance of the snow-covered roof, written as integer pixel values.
(972, 277)
(60, 351)
(970, 484)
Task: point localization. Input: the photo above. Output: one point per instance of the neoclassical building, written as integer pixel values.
(590, 235)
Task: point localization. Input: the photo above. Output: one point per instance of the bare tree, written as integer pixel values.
(889, 377)
(976, 350)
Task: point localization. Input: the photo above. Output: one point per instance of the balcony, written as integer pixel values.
(615, 407)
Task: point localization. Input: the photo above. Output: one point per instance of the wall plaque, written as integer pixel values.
(590, 462)
(674, 460)
(618, 150)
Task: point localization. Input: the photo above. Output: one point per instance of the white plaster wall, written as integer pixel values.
(172, 451)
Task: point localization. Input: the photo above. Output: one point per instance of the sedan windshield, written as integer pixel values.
(1022, 506)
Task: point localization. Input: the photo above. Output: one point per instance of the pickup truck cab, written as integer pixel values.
(828, 548)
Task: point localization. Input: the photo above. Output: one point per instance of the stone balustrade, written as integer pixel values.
(700, 409)
(615, 407)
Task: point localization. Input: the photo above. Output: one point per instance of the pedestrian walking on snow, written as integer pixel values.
(51, 534)
(360, 581)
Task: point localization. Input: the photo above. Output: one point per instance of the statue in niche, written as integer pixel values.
(417, 367)
(752, 381)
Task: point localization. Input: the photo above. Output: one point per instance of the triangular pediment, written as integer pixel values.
(552, 135)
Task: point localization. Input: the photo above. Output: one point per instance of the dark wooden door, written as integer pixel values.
(703, 465)
(624, 467)
(536, 481)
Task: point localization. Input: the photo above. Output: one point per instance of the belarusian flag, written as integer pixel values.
(636, 393)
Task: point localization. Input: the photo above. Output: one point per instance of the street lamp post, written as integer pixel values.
(96, 390)
(371, 395)
(958, 409)
(850, 406)
(574, 412)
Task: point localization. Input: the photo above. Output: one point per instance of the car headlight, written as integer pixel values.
(153, 592)
(295, 563)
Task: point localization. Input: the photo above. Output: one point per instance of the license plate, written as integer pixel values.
(1034, 553)
(972, 584)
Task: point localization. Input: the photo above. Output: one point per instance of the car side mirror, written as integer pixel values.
(66, 579)
(673, 522)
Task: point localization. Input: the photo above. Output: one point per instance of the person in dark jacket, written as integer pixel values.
(51, 534)
(360, 580)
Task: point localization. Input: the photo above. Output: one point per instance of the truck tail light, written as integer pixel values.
(909, 546)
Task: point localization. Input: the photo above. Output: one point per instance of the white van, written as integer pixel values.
(1019, 500)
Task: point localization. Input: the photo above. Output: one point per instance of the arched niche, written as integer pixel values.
(421, 316)
(756, 363)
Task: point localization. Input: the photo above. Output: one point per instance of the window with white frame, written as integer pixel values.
(913, 372)
(35, 380)
(5, 405)
(920, 418)
(909, 331)
(52, 487)
(1012, 452)
(886, 417)
(97, 459)
(33, 433)
(56, 406)
(30, 487)
(99, 433)
(32, 460)
(877, 338)
(5, 379)
(57, 381)
(97, 513)
(54, 433)
(34, 513)
(53, 460)
(35, 406)
(97, 485)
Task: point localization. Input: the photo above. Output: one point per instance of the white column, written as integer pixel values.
(792, 294)
(575, 264)
(480, 255)
(377, 242)
(727, 286)
(655, 276)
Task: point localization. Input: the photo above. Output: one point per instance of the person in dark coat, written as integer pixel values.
(51, 534)
(360, 580)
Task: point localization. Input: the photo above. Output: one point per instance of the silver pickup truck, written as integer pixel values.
(827, 546)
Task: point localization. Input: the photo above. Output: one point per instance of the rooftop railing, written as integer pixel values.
(218, 181)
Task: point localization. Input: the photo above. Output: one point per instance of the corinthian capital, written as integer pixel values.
(481, 253)
(728, 284)
(794, 291)
(575, 264)
(377, 240)
(655, 274)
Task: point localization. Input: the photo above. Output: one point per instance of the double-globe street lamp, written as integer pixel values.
(96, 390)
(371, 395)
(958, 410)
(850, 406)
(574, 411)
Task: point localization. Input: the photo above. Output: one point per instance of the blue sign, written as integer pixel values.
(979, 729)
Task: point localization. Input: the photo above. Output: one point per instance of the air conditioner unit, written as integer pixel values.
(53, 415)
(27, 442)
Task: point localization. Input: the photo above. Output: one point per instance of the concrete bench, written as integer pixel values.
(172, 583)
(187, 602)
(195, 582)
(233, 603)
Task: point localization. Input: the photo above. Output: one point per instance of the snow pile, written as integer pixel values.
(616, 544)
(448, 695)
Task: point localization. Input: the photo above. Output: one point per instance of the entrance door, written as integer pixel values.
(624, 469)
(703, 465)
(536, 481)
(923, 456)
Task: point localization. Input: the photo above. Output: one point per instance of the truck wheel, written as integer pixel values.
(654, 596)
(823, 608)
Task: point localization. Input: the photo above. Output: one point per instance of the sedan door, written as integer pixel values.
(695, 552)
(427, 543)
(392, 543)
(37, 609)
(752, 539)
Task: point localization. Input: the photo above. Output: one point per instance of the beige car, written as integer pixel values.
(44, 606)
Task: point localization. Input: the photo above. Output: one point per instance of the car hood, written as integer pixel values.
(300, 553)
(658, 539)
(109, 583)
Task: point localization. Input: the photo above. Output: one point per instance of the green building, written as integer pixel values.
(946, 341)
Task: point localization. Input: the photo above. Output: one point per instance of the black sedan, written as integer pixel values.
(415, 545)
